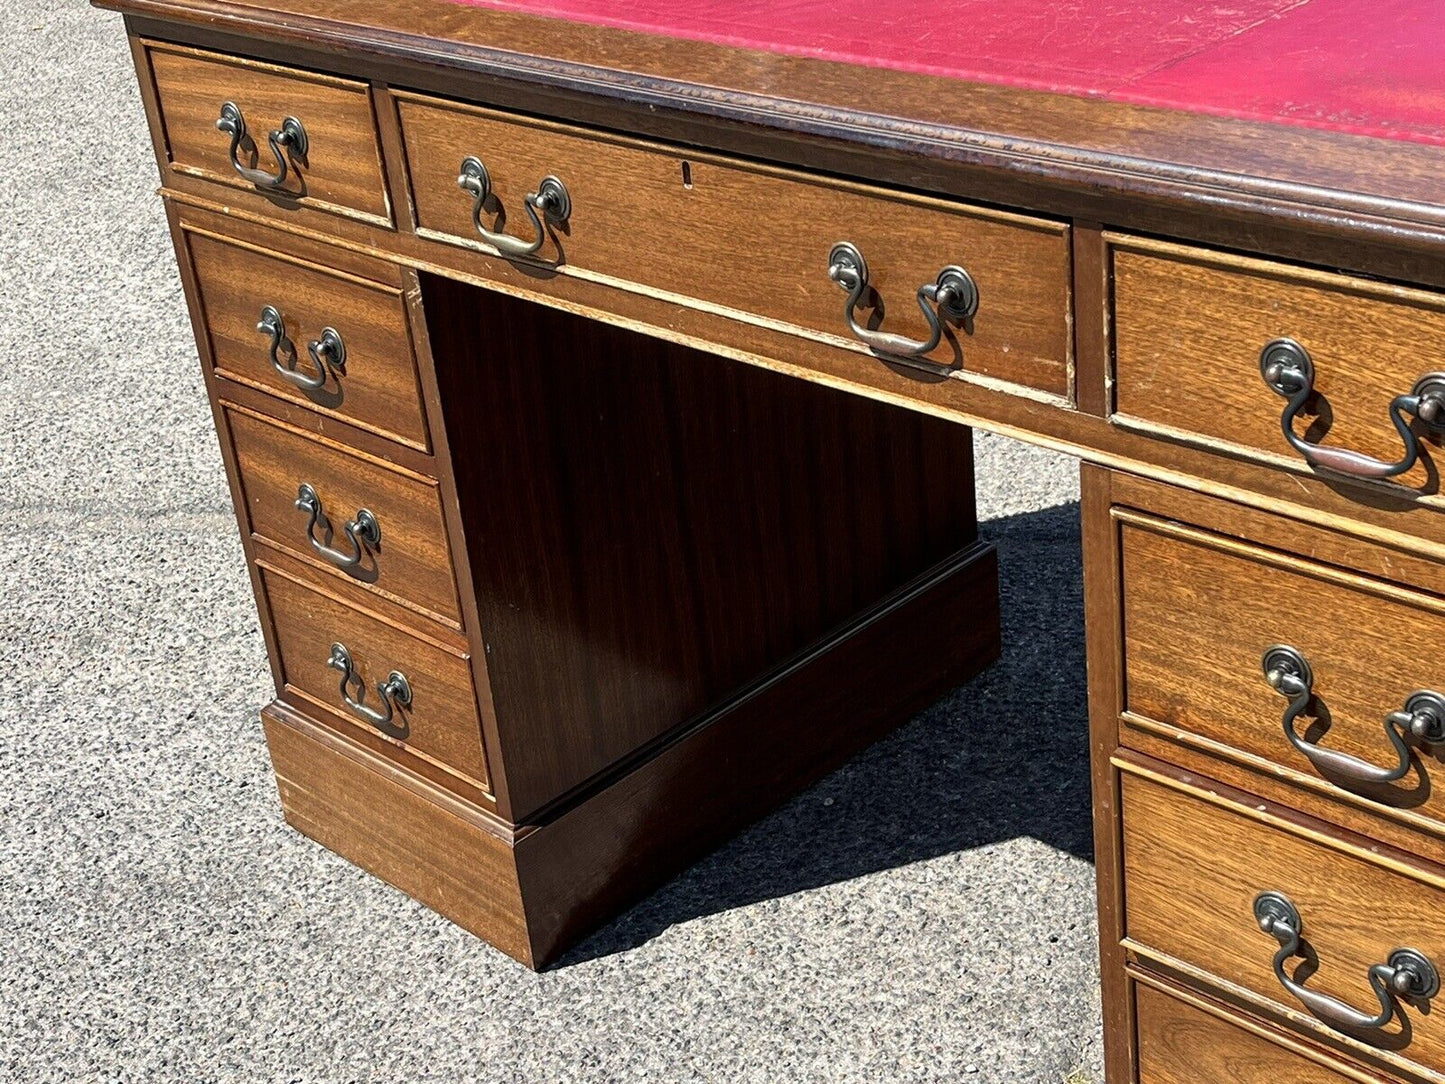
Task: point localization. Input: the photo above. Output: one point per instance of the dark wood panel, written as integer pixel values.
(411, 562)
(341, 170)
(441, 722)
(375, 386)
(651, 527)
(754, 239)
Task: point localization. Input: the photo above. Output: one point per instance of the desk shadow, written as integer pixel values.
(1003, 756)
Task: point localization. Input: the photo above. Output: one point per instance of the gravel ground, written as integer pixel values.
(924, 914)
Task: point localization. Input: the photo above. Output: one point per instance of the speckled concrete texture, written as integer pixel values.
(925, 914)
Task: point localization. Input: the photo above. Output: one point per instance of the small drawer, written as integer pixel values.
(370, 523)
(1191, 331)
(1205, 874)
(306, 139)
(392, 680)
(753, 242)
(1184, 1040)
(333, 342)
(1305, 673)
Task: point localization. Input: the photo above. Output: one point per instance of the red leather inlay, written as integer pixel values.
(1373, 67)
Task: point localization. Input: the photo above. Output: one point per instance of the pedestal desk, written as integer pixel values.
(595, 380)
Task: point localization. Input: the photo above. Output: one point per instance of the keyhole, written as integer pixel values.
(687, 175)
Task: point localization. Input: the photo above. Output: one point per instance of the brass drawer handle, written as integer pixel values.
(1407, 973)
(1421, 720)
(287, 140)
(328, 353)
(551, 199)
(952, 297)
(395, 690)
(1289, 371)
(364, 531)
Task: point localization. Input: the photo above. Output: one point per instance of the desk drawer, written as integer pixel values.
(340, 169)
(406, 687)
(341, 345)
(397, 546)
(1202, 611)
(1196, 865)
(755, 241)
(1190, 326)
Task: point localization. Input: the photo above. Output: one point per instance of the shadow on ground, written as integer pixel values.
(1004, 756)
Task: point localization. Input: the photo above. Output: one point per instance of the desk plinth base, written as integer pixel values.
(533, 890)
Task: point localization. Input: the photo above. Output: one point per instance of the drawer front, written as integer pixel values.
(1195, 867)
(341, 168)
(1180, 1043)
(432, 713)
(1190, 327)
(755, 240)
(363, 373)
(400, 549)
(1200, 612)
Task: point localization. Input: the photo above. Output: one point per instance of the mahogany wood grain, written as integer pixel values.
(413, 562)
(651, 527)
(342, 170)
(391, 824)
(377, 387)
(754, 239)
(534, 891)
(1199, 611)
(442, 722)
(1189, 326)
(1194, 861)
(1181, 1043)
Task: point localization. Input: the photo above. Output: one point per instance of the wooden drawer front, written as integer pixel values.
(412, 562)
(1194, 866)
(441, 723)
(1200, 610)
(375, 387)
(1190, 325)
(1182, 1043)
(754, 239)
(341, 170)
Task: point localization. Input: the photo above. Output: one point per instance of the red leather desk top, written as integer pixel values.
(1369, 67)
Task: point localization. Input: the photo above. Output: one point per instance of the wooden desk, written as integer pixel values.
(595, 394)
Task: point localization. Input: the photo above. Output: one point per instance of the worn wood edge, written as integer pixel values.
(1264, 766)
(1208, 981)
(1274, 1036)
(1278, 818)
(1154, 179)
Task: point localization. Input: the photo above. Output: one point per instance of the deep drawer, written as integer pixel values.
(372, 524)
(1291, 667)
(340, 168)
(1201, 869)
(752, 241)
(332, 341)
(400, 684)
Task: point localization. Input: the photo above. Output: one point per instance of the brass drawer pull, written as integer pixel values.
(551, 199)
(1289, 371)
(287, 140)
(364, 531)
(952, 297)
(1407, 973)
(395, 690)
(328, 353)
(1421, 720)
